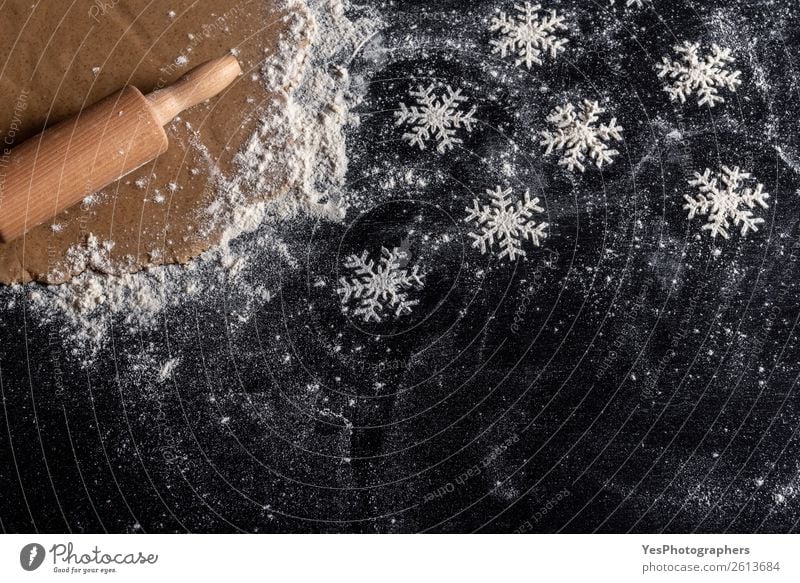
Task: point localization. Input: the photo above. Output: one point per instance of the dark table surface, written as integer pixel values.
(631, 374)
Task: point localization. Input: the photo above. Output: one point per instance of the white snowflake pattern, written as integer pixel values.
(435, 118)
(578, 134)
(505, 223)
(380, 286)
(690, 73)
(527, 35)
(727, 202)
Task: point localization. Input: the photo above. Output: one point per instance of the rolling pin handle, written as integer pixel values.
(197, 86)
(55, 170)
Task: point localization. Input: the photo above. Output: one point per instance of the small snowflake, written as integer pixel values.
(526, 35)
(577, 134)
(380, 286)
(727, 202)
(705, 76)
(509, 224)
(435, 118)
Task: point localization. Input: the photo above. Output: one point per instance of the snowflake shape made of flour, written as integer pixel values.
(380, 286)
(527, 35)
(505, 223)
(691, 73)
(724, 199)
(578, 134)
(435, 118)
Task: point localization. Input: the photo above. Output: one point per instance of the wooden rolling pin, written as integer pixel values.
(79, 156)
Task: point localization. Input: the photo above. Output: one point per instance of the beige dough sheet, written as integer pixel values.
(62, 56)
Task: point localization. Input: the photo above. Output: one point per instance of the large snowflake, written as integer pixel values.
(380, 286)
(527, 35)
(578, 134)
(705, 76)
(505, 223)
(435, 118)
(727, 202)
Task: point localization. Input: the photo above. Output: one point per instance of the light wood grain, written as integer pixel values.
(60, 167)
(197, 86)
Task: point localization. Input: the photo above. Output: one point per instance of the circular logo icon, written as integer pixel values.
(31, 556)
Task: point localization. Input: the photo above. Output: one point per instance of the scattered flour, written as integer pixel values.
(168, 369)
(316, 114)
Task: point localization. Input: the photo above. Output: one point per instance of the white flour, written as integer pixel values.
(93, 305)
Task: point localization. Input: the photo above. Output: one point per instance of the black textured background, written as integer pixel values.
(629, 375)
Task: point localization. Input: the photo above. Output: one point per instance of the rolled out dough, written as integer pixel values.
(62, 56)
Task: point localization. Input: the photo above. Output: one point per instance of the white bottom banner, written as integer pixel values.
(353, 559)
